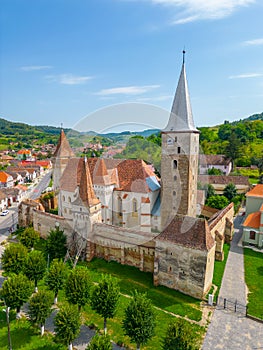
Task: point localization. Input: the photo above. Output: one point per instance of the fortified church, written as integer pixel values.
(120, 210)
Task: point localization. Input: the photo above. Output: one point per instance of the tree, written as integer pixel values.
(233, 149)
(139, 319)
(217, 201)
(104, 298)
(214, 171)
(56, 277)
(35, 266)
(78, 286)
(15, 291)
(56, 244)
(14, 258)
(29, 237)
(210, 191)
(230, 191)
(40, 308)
(67, 324)
(100, 342)
(179, 336)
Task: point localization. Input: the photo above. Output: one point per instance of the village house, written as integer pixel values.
(216, 161)
(253, 225)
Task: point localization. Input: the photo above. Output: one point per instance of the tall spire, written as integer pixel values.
(181, 118)
(63, 148)
(86, 191)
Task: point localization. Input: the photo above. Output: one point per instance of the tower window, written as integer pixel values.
(175, 164)
(174, 193)
(175, 177)
(178, 150)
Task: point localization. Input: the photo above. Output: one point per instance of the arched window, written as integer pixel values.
(175, 164)
(134, 205)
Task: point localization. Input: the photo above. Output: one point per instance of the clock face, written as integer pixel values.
(170, 141)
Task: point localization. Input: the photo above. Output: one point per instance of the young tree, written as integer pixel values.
(56, 244)
(230, 191)
(179, 336)
(67, 324)
(29, 237)
(217, 201)
(100, 342)
(210, 191)
(15, 291)
(214, 171)
(14, 258)
(40, 308)
(234, 148)
(104, 298)
(56, 277)
(35, 266)
(139, 320)
(78, 286)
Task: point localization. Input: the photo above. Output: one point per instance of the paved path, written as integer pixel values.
(230, 330)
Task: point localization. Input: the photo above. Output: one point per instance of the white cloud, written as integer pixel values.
(192, 10)
(68, 79)
(245, 76)
(254, 42)
(127, 90)
(34, 68)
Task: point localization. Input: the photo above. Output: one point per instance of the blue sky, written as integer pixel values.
(62, 60)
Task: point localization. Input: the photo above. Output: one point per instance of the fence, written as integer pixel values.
(232, 305)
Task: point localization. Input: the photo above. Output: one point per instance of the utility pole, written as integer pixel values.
(7, 309)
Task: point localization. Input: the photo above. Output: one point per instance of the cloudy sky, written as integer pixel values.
(63, 60)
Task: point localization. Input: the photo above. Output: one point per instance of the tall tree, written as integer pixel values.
(179, 336)
(67, 324)
(14, 258)
(78, 286)
(56, 244)
(139, 320)
(230, 191)
(234, 148)
(29, 237)
(100, 342)
(40, 308)
(15, 291)
(104, 298)
(35, 266)
(56, 277)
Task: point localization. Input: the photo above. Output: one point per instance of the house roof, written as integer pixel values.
(256, 191)
(215, 159)
(24, 151)
(4, 176)
(189, 232)
(253, 220)
(71, 176)
(224, 180)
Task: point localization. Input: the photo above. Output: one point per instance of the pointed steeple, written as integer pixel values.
(63, 148)
(181, 118)
(86, 191)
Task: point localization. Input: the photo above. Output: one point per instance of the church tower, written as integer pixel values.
(179, 163)
(60, 159)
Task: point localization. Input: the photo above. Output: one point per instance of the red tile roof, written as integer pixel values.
(253, 220)
(4, 176)
(86, 191)
(189, 232)
(256, 191)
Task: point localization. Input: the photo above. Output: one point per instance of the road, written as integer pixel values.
(9, 222)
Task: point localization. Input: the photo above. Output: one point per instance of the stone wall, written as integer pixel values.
(182, 268)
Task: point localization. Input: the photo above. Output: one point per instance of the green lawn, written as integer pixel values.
(254, 279)
(131, 278)
(219, 269)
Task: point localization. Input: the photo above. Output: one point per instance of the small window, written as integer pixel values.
(134, 206)
(252, 235)
(178, 150)
(175, 177)
(175, 164)
(69, 199)
(170, 269)
(175, 139)
(174, 193)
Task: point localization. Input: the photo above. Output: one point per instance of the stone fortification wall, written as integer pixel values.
(44, 222)
(25, 212)
(128, 247)
(221, 227)
(182, 268)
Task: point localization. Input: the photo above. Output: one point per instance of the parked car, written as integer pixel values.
(4, 212)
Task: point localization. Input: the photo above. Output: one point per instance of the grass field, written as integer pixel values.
(219, 269)
(254, 279)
